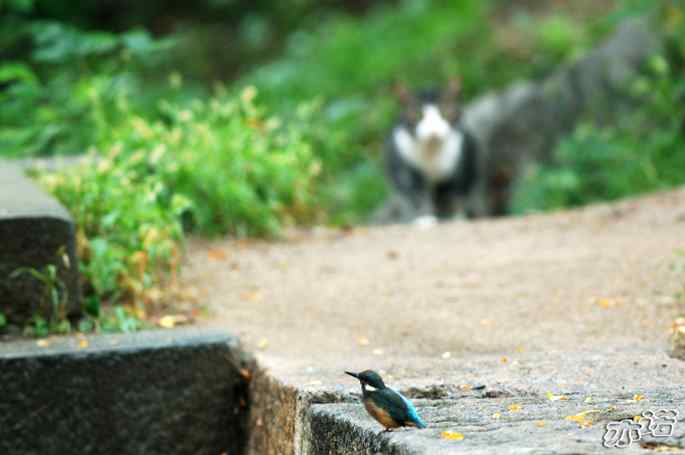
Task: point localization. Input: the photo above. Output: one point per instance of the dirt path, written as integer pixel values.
(598, 277)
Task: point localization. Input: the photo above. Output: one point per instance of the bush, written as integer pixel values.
(47, 83)
(642, 152)
(220, 166)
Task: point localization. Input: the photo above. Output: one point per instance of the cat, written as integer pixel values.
(430, 157)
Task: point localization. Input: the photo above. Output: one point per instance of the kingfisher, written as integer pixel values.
(389, 407)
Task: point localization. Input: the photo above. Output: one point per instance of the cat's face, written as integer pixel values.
(429, 116)
(429, 107)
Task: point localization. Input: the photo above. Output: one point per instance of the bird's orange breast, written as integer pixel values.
(381, 415)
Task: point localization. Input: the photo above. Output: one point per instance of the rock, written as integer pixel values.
(162, 392)
(35, 231)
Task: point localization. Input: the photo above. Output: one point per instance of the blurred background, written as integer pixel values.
(244, 117)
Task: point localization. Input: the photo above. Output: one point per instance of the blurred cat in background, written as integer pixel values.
(430, 157)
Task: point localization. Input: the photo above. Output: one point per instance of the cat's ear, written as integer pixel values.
(402, 93)
(450, 101)
(454, 87)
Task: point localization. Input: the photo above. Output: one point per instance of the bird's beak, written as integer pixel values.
(354, 375)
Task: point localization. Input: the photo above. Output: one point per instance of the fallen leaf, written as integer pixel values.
(83, 343)
(363, 341)
(588, 400)
(253, 296)
(504, 360)
(638, 397)
(514, 407)
(552, 397)
(377, 352)
(520, 349)
(392, 254)
(446, 355)
(637, 419)
(43, 343)
(486, 322)
(216, 254)
(452, 436)
(606, 303)
(581, 418)
(263, 344)
(496, 415)
(465, 387)
(663, 448)
(540, 423)
(168, 322)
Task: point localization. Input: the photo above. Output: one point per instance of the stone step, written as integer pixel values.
(35, 232)
(161, 392)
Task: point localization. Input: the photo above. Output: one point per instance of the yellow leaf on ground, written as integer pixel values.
(465, 387)
(514, 407)
(540, 423)
(253, 296)
(446, 355)
(216, 254)
(263, 344)
(582, 419)
(168, 322)
(552, 397)
(605, 303)
(83, 343)
(43, 343)
(363, 341)
(638, 397)
(496, 415)
(504, 359)
(451, 436)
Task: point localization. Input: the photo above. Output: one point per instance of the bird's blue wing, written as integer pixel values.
(411, 412)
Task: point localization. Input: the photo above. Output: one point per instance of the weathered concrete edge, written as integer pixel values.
(35, 231)
(173, 392)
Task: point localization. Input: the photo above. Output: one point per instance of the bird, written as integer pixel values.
(389, 407)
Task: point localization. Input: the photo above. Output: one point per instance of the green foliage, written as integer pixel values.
(642, 152)
(52, 72)
(220, 166)
(169, 156)
(3, 320)
(52, 305)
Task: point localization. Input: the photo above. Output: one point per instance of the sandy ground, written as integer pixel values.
(425, 302)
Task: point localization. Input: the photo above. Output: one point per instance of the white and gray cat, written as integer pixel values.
(430, 157)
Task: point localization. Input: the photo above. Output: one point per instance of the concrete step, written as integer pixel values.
(35, 232)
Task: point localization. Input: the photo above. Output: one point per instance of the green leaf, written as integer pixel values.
(10, 72)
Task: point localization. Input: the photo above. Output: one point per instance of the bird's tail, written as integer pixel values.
(420, 423)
